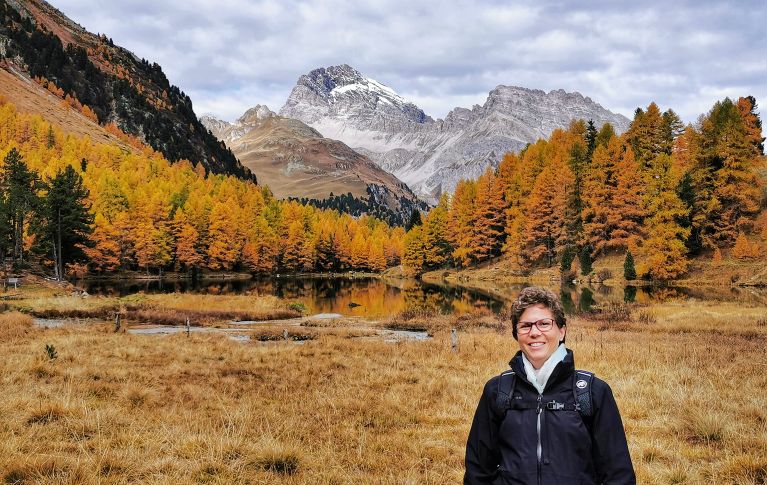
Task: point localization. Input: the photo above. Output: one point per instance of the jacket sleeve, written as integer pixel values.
(482, 454)
(611, 452)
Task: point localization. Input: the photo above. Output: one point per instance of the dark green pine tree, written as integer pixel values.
(579, 162)
(6, 239)
(686, 192)
(415, 220)
(585, 260)
(63, 222)
(591, 138)
(568, 256)
(18, 186)
(629, 271)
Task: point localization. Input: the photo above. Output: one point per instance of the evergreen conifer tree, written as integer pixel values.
(585, 260)
(63, 221)
(629, 271)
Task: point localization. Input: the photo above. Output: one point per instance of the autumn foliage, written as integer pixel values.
(662, 190)
(150, 215)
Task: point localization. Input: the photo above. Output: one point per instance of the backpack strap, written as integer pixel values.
(507, 381)
(582, 385)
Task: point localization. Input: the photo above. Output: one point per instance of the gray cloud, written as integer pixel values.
(232, 54)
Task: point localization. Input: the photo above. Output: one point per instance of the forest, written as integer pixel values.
(660, 194)
(68, 204)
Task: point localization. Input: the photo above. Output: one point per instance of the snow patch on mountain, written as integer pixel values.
(431, 156)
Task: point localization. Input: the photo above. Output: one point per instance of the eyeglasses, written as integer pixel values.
(544, 325)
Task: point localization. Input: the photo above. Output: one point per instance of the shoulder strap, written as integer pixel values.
(505, 390)
(582, 385)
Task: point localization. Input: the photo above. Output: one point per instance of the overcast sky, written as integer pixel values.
(229, 55)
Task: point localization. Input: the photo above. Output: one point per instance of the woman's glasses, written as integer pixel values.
(544, 325)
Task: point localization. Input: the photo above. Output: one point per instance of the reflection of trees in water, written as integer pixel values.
(586, 300)
(426, 300)
(566, 295)
(630, 294)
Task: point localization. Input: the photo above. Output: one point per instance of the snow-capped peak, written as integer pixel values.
(367, 85)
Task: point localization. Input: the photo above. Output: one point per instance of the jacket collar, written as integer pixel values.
(561, 371)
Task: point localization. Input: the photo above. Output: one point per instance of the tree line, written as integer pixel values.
(69, 203)
(662, 193)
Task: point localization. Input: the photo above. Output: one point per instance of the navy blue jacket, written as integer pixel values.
(502, 446)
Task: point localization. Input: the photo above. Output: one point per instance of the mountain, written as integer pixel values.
(295, 161)
(431, 156)
(107, 83)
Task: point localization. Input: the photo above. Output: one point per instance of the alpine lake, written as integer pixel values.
(375, 298)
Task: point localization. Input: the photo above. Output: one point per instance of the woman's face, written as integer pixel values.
(536, 345)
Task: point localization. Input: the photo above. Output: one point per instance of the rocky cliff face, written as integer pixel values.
(431, 156)
(296, 161)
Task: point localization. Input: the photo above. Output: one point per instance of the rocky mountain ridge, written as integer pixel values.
(431, 156)
(296, 161)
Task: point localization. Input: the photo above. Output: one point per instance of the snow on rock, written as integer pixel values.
(432, 156)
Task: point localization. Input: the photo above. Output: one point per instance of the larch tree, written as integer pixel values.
(663, 252)
(436, 245)
(104, 251)
(224, 241)
(546, 231)
(728, 187)
(461, 222)
(625, 221)
(600, 185)
(412, 254)
(188, 243)
(488, 237)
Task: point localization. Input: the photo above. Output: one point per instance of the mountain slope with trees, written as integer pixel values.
(67, 203)
(662, 191)
(108, 84)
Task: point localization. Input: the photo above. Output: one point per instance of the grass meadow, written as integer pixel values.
(83, 404)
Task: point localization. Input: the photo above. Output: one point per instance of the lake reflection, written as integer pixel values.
(368, 297)
(372, 297)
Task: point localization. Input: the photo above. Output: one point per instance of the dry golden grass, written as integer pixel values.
(15, 325)
(115, 408)
(427, 320)
(161, 309)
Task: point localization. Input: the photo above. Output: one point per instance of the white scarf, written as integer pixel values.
(539, 377)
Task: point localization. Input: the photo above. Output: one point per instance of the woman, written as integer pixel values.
(543, 422)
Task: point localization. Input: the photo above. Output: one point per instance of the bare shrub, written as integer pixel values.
(761, 322)
(604, 274)
(480, 318)
(610, 311)
(274, 335)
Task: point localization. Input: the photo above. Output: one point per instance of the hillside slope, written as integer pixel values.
(85, 69)
(295, 161)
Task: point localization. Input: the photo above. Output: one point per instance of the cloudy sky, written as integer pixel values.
(229, 55)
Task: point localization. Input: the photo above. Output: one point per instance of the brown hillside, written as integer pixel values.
(295, 160)
(30, 97)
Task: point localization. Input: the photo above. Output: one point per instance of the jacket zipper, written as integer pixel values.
(538, 428)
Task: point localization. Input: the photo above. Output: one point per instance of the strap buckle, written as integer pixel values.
(555, 406)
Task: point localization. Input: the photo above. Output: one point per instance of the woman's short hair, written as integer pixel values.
(535, 295)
